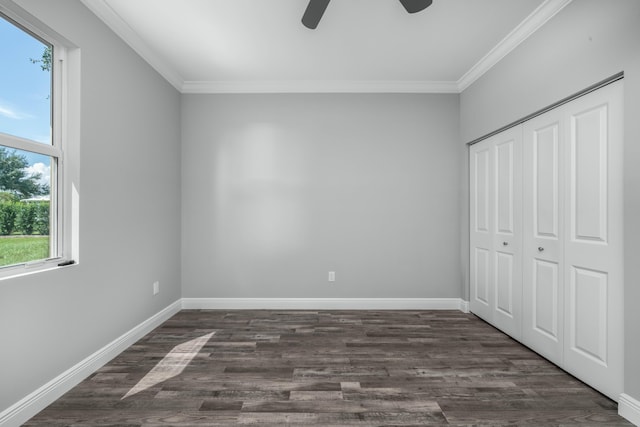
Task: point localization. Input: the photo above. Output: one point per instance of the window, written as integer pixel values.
(32, 202)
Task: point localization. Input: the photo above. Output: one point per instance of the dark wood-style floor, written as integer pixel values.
(329, 368)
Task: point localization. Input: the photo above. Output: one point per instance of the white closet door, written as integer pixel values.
(543, 204)
(496, 237)
(593, 348)
(481, 228)
(507, 237)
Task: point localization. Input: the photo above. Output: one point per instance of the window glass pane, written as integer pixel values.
(25, 84)
(25, 206)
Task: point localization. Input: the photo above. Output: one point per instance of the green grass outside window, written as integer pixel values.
(16, 250)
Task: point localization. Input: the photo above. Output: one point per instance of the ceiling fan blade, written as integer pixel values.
(314, 12)
(414, 6)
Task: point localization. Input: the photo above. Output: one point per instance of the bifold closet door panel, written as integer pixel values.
(542, 249)
(481, 228)
(496, 237)
(593, 275)
(507, 238)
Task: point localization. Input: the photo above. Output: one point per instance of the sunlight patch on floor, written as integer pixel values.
(171, 365)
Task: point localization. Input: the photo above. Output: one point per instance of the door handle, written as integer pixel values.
(540, 249)
(505, 244)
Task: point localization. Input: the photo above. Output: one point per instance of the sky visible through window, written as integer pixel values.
(25, 93)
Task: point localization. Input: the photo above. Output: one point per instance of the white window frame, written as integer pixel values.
(64, 193)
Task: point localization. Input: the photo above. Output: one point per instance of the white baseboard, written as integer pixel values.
(464, 306)
(629, 408)
(324, 303)
(35, 402)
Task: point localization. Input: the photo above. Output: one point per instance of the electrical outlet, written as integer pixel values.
(332, 276)
(156, 288)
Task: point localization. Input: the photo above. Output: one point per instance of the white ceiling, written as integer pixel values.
(218, 46)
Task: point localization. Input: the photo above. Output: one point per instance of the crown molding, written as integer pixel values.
(318, 86)
(547, 10)
(114, 21)
(526, 28)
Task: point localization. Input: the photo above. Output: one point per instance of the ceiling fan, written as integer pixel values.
(316, 8)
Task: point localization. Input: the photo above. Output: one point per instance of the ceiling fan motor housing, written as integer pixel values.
(315, 10)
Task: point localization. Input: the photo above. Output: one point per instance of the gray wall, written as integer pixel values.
(279, 189)
(586, 42)
(130, 214)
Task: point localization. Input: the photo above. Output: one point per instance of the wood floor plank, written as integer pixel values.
(330, 368)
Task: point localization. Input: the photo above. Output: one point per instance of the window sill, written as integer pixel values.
(34, 268)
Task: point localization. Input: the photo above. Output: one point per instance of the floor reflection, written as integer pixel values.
(171, 365)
